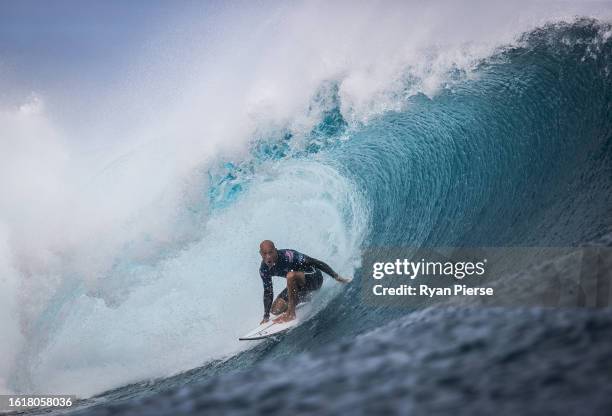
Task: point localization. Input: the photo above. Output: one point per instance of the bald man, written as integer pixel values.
(303, 274)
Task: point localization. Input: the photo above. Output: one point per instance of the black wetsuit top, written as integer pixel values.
(288, 260)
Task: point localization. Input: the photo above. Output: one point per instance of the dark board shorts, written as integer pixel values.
(314, 280)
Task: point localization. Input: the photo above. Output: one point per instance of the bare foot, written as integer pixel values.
(284, 318)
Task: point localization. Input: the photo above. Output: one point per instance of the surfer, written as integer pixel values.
(303, 274)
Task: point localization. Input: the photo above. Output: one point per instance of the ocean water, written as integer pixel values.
(509, 146)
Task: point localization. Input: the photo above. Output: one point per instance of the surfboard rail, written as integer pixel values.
(270, 328)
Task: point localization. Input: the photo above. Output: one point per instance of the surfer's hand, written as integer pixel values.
(343, 279)
(264, 320)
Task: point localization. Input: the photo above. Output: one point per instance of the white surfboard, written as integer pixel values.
(269, 328)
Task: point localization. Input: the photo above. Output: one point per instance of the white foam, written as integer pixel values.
(192, 307)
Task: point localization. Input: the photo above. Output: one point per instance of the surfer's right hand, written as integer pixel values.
(264, 320)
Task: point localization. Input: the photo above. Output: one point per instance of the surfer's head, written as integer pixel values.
(268, 252)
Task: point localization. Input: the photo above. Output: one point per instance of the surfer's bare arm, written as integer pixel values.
(268, 294)
(324, 267)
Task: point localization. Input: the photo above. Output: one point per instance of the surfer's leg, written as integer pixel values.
(295, 281)
(280, 303)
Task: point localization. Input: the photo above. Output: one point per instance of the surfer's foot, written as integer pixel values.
(286, 317)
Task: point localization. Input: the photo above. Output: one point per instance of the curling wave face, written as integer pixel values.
(507, 158)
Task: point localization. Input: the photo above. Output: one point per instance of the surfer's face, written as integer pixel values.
(269, 255)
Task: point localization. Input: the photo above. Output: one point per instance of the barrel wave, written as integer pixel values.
(517, 151)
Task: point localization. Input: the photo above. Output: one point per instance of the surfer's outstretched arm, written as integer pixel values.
(324, 267)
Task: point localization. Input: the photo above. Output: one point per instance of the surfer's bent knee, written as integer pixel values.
(294, 275)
